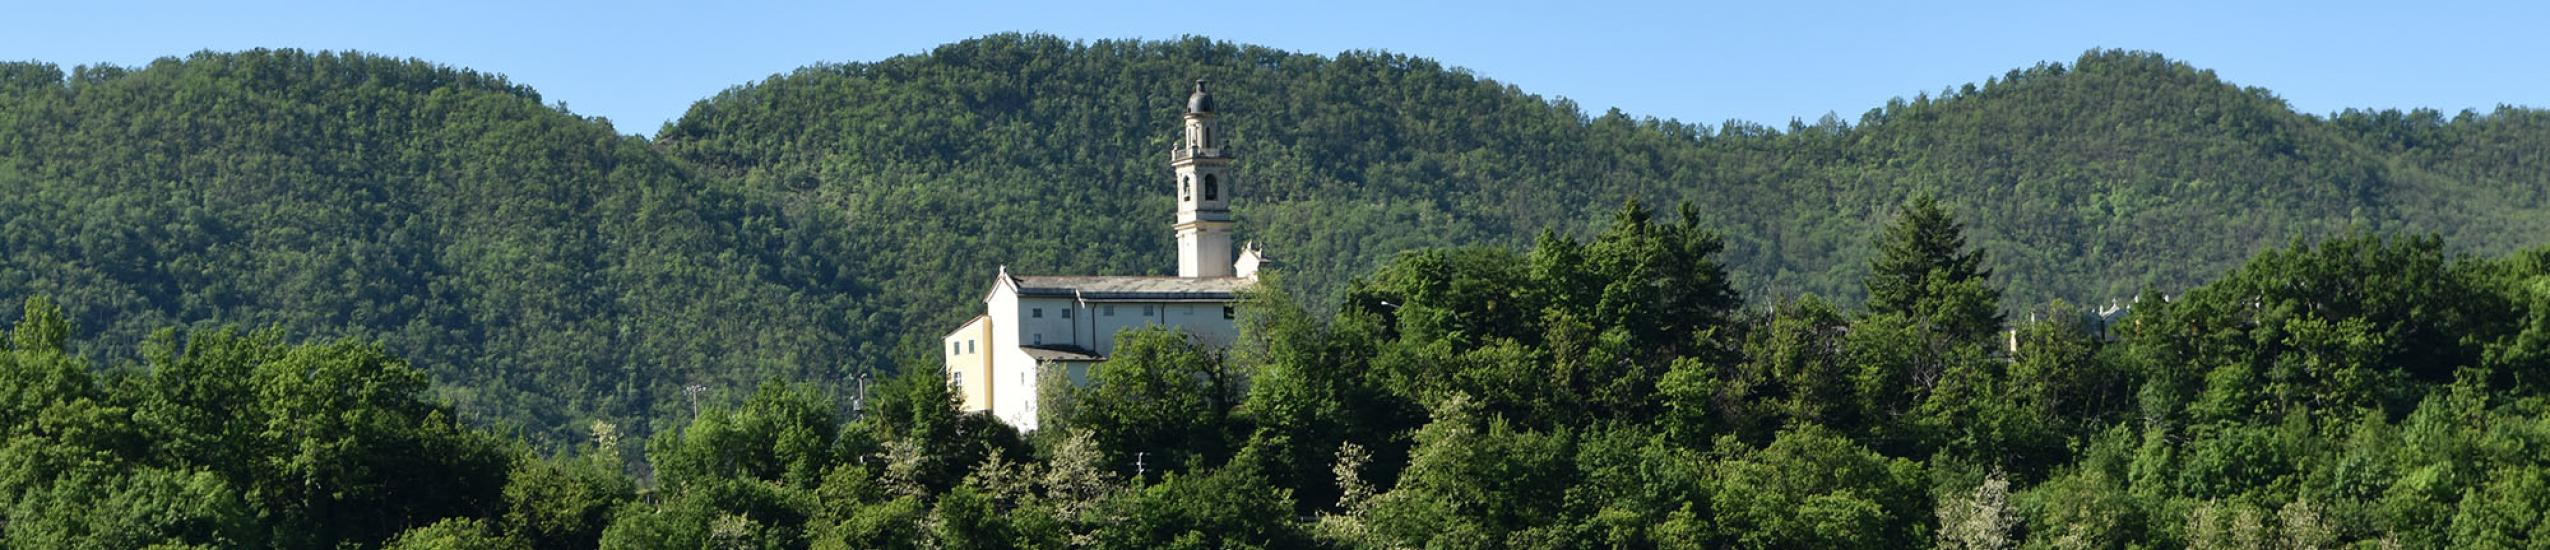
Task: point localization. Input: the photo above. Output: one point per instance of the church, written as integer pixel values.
(1034, 323)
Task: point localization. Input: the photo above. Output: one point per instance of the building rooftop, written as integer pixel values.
(1132, 288)
(1061, 353)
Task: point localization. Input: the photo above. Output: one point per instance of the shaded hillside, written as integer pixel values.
(543, 267)
(2118, 173)
(2477, 176)
(2093, 180)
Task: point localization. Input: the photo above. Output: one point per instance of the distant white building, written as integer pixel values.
(1034, 323)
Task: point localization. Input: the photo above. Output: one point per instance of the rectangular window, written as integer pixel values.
(956, 379)
(1146, 310)
(1066, 313)
(954, 348)
(1039, 313)
(1040, 338)
(1108, 310)
(969, 346)
(1228, 313)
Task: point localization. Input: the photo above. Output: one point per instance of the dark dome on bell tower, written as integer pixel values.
(1199, 102)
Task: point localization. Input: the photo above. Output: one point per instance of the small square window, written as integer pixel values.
(1146, 310)
(1228, 312)
(1107, 310)
(1066, 313)
(1039, 313)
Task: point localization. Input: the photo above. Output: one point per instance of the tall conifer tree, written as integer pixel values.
(1925, 272)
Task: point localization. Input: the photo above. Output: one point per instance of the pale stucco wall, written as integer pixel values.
(969, 365)
(1007, 383)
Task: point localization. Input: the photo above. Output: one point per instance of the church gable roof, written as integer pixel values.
(1131, 288)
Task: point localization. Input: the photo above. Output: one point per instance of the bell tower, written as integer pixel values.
(1205, 182)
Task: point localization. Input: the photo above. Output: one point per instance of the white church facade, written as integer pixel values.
(1032, 324)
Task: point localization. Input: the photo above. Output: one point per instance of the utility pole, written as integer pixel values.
(1137, 464)
(859, 402)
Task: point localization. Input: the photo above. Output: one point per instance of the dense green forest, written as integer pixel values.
(547, 271)
(2081, 174)
(1612, 391)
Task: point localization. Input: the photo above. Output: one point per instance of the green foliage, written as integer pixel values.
(2506, 513)
(723, 513)
(2081, 510)
(921, 443)
(1162, 396)
(1924, 272)
(1473, 481)
(566, 501)
(1812, 488)
(227, 439)
(892, 524)
(1467, 345)
(1306, 398)
(783, 434)
(1229, 508)
(2092, 180)
(1567, 332)
(453, 534)
(2354, 321)
(2366, 391)
(548, 271)
(97, 507)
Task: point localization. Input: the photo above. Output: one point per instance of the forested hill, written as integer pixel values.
(2089, 180)
(543, 267)
(547, 269)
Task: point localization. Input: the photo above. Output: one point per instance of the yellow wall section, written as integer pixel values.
(969, 363)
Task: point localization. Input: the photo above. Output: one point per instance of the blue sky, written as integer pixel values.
(641, 63)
